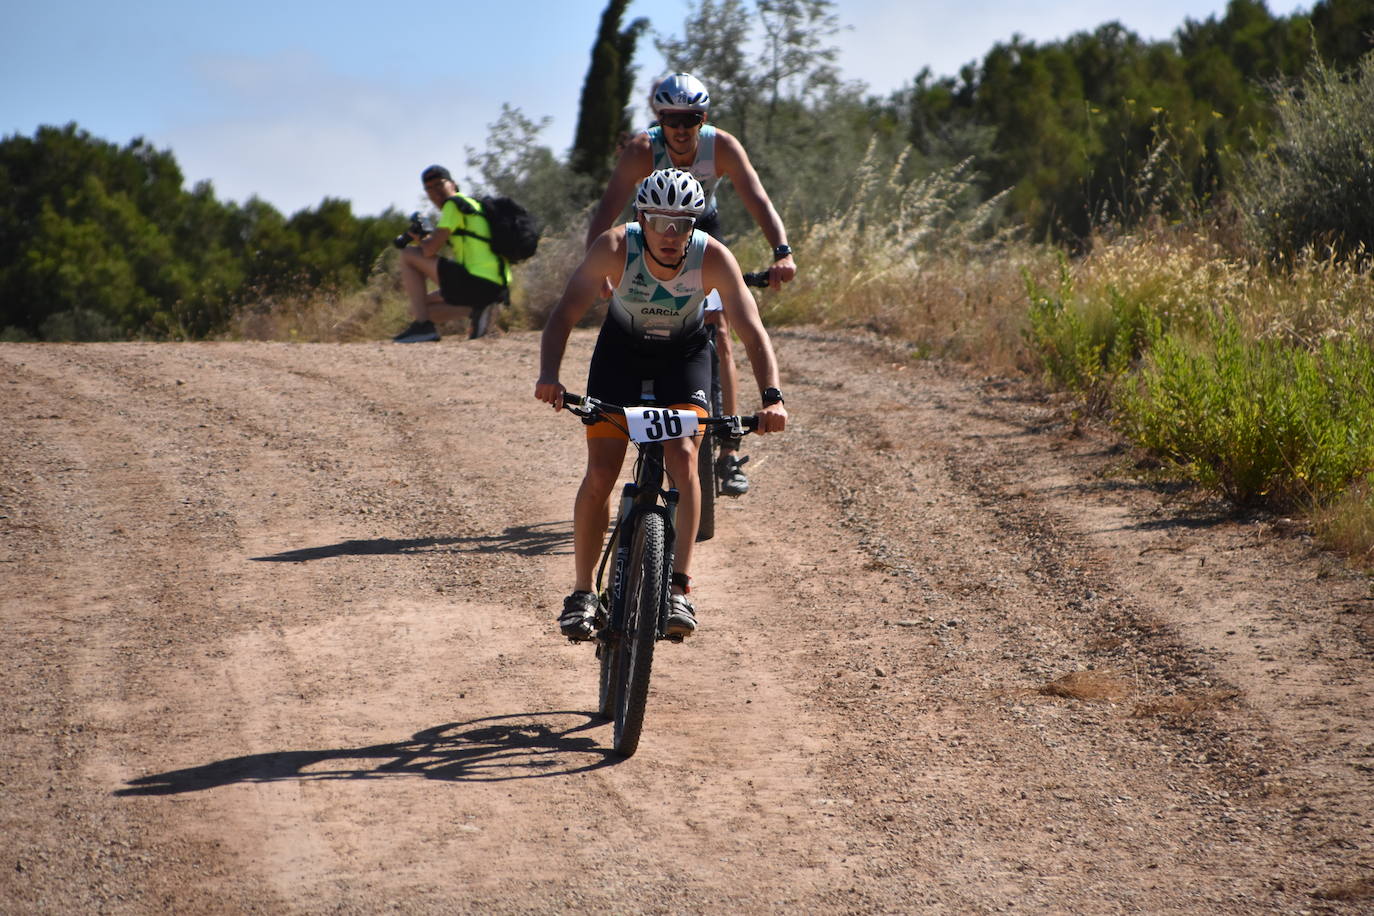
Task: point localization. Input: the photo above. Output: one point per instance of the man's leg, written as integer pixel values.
(417, 272)
(591, 516)
(591, 509)
(680, 455)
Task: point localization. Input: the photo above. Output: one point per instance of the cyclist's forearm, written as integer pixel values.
(763, 362)
(552, 345)
(551, 348)
(767, 218)
(772, 228)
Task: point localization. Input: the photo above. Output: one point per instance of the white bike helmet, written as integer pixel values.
(671, 191)
(680, 92)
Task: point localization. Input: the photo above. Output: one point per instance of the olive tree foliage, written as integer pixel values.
(515, 164)
(1314, 183)
(717, 50)
(770, 68)
(757, 58)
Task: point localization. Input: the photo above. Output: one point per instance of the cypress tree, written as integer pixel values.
(606, 93)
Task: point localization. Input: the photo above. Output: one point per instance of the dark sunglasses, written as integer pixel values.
(681, 119)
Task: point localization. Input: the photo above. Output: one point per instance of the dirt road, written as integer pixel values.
(278, 638)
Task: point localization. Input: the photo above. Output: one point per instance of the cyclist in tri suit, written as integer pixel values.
(682, 139)
(659, 269)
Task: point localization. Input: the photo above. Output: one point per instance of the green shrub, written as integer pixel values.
(79, 325)
(1262, 421)
(1087, 345)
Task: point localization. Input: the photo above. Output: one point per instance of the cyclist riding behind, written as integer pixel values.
(682, 139)
(660, 269)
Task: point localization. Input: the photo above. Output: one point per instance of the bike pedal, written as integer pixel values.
(673, 637)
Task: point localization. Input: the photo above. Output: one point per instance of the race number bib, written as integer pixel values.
(654, 424)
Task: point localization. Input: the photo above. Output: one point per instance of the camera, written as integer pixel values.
(416, 226)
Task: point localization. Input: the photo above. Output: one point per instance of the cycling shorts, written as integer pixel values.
(678, 372)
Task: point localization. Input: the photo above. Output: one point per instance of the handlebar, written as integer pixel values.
(584, 406)
(756, 278)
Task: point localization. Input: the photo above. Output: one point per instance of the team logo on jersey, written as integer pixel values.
(665, 299)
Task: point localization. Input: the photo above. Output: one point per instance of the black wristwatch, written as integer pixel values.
(781, 252)
(771, 396)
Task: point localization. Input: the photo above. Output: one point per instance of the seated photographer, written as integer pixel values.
(456, 257)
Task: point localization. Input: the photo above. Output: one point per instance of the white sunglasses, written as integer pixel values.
(663, 224)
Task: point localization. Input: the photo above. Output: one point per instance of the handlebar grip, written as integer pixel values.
(756, 278)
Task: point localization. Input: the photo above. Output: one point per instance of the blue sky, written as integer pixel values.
(297, 100)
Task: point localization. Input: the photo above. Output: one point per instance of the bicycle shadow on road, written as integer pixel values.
(550, 539)
(491, 749)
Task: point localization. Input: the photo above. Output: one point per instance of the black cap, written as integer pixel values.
(435, 171)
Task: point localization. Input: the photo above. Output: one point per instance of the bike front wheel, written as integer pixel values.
(646, 591)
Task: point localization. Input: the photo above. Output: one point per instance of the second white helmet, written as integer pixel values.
(680, 92)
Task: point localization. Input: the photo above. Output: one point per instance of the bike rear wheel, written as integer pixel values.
(606, 654)
(646, 590)
(706, 481)
(706, 453)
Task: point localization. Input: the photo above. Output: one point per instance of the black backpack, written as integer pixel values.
(514, 230)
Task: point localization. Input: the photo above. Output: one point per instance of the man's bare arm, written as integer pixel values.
(634, 163)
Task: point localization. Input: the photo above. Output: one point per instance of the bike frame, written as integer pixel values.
(625, 650)
(646, 494)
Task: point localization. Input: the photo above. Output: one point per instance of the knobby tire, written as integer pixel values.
(706, 481)
(706, 454)
(607, 682)
(607, 643)
(646, 591)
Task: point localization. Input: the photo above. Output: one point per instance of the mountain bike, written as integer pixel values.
(708, 454)
(633, 611)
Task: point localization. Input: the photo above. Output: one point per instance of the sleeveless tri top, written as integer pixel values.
(703, 167)
(651, 310)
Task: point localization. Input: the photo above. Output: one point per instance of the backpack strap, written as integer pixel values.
(468, 207)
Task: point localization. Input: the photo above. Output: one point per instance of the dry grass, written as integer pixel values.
(1346, 525)
(539, 281)
(1185, 273)
(1092, 686)
(914, 261)
(374, 312)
